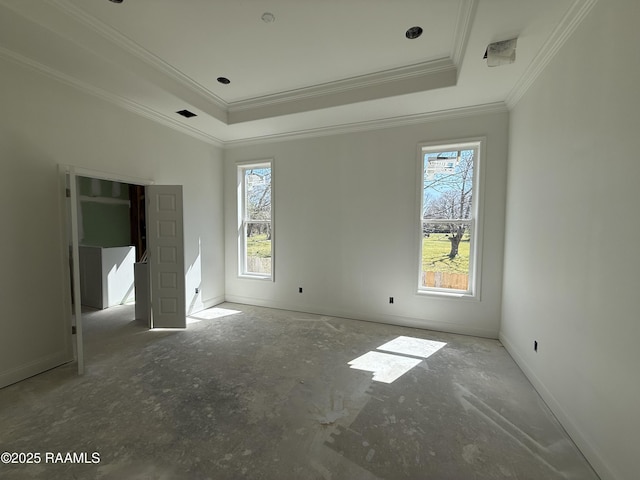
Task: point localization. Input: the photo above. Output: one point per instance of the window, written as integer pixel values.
(255, 219)
(448, 222)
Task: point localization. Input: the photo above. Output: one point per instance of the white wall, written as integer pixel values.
(571, 278)
(345, 221)
(45, 123)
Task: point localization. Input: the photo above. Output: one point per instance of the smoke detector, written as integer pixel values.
(268, 17)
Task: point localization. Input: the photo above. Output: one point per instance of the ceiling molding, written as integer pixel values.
(57, 17)
(489, 108)
(96, 42)
(571, 20)
(135, 49)
(497, 107)
(412, 79)
(435, 74)
(347, 84)
(464, 24)
(463, 30)
(108, 96)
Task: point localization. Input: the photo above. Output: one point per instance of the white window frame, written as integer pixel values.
(242, 167)
(476, 217)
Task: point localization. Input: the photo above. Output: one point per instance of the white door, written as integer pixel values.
(165, 250)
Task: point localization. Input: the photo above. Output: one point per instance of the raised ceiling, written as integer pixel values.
(321, 66)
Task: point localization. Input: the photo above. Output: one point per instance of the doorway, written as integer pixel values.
(157, 205)
(112, 238)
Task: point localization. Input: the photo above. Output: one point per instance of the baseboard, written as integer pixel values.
(398, 320)
(584, 445)
(208, 303)
(35, 367)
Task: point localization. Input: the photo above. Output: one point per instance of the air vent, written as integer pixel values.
(186, 113)
(501, 53)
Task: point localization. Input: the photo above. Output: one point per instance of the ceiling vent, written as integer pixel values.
(501, 53)
(186, 113)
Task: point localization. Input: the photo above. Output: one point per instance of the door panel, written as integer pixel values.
(165, 238)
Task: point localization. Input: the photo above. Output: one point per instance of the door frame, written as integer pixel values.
(71, 217)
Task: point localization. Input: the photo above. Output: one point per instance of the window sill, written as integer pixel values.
(448, 295)
(249, 276)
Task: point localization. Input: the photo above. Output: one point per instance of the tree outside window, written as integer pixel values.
(448, 217)
(256, 232)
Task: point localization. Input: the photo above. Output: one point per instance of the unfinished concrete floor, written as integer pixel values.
(256, 393)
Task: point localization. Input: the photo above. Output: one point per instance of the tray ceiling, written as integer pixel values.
(315, 67)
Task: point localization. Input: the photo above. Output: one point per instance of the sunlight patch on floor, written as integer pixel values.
(214, 312)
(385, 367)
(415, 347)
(388, 367)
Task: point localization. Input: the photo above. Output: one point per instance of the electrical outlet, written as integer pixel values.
(390, 299)
(535, 345)
(299, 289)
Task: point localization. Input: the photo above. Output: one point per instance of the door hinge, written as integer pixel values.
(68, 192)
(73, 330)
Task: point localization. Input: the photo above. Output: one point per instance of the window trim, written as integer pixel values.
(477, 217)
(242, 222)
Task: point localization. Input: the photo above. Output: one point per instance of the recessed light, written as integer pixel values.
(186, 113)
(268, 17)
(115, 1)
(224, 80)
(413, 32)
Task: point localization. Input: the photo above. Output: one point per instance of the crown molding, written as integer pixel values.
(411, 80)
(345, 85)
(497, 107)
(435, 74)
(391, 122)
(463, 30)
(466, 16)
(569, 23)
(108, 96)
(135, 49)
